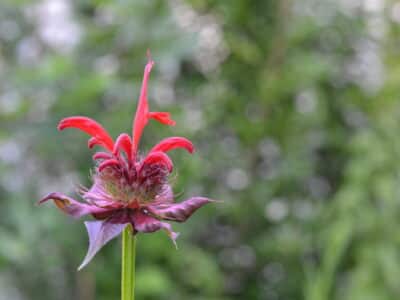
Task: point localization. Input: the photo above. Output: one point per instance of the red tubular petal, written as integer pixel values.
(123, 142)
(102, 155)
(158, 157)
(93, 142)
(141, 116)
(108, 163)
(162, 117)
(173, 143)
(89, 126)
(147, 224)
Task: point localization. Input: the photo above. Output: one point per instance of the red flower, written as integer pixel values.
(127, 188)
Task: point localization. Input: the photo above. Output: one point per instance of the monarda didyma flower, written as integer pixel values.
(128, 189)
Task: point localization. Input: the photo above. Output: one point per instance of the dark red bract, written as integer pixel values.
(128, 189)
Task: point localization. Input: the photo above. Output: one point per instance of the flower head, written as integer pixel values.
(128, 189)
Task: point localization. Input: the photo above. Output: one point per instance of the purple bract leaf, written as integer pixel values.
(72, 207)
(100, 233)
(178, 212)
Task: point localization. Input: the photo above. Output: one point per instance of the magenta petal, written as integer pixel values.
(102, 155)
(98, 196)
(100, 233)
(72, 207)
(108, 163)
(178, 212)
(165, 196)
(146, 223)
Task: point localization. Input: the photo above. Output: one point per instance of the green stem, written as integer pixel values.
(128, 264)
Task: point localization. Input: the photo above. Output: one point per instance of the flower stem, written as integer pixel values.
(128, 264)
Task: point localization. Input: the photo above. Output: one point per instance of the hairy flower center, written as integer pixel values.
(130, 185)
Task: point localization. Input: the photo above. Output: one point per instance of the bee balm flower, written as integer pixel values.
(128, 189)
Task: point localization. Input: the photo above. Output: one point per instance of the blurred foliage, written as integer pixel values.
(292, 105)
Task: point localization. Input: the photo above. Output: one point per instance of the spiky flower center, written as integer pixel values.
(134, 185)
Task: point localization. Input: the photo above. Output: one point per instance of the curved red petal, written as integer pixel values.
(108, 163)
(162, 117)
(123, 142)
(173, 143)
(89, 126)
(158, 157)
(95, 142)
(102, 155)
(141, 116)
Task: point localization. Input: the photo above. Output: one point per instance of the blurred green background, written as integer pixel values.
(293, 107)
